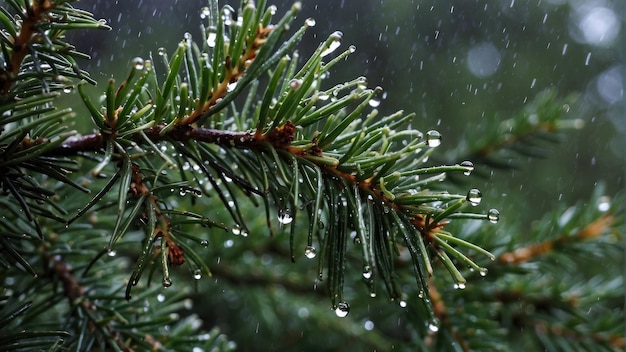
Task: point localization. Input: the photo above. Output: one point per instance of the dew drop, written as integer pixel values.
(367, 272)
(138, 63)
(352, 48)
(474, 196)
(342, 310)
(68, 89)
(310, 22)
(433, 325)
(374, 103)
(167, 282)
(310, 252)
(236, 230)
(161, 297)
(433, 138)
(483, 271)
(369, 325)
(402, 303)
(161, 51)
(197, 274)
(284, 216)
(604, 203)
(205, 12)
(111, 253)
(469, 167)
(295, 83)
(211, 39)
(493, 215)
(459, 285)
(334, 41)
(187, 36)
(231, 86)
(204, 243)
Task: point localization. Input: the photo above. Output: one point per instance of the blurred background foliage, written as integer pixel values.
(460, 66)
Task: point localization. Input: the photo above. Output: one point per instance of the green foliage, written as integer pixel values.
(188, 148)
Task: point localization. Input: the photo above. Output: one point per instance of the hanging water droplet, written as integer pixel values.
(367, 272)
(604, 203)
(160, 297)
(197, 274)
(204, 12)
(334, 41)
(187, 36)
(493, 215)
(295, 83)
(284, 216)
(310, 22)
(310, 252)
(342, 310)
(161, 51)
(433, 325)
(474, 196)
(244, 233)
(138, 63)
(211, 38)
(236, 230)
(469, 167)
(433, 138)
(402, 303)
(204, 243)
(459, 285)
(483, 271)
(167, 282)
(374, 103)
(111, 253)
(352, 48)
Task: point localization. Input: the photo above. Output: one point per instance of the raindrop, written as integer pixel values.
(402, 303)
(211, 39)
(493, 215)
(369, 325)
(161, 297)
(236, 230)
(367, 272)
(295, 83)
(228, 243)
(604, 203)
(433, 325)
(167, 282)
(342, 310)
(161, 51)
(310, 252)
(204, 12)
(231, 86)
(433, 138)
(187, 36)
(474, 196)
(483, 271)
(111, 253)
(284, 216)
(374, 103)
(197, 274)
(204, 243)
(470, 167)
(459, 285)
(68, 89)
(310, 22)
(138, 63)
(335, 42)
(352, 48)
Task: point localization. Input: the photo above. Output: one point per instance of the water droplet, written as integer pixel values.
(310, 252)
(187, 36)
(160, 297)
(211, 38)
(352, 48)
(310, 22)
(236, 230)
(68, 89)
(367, 272)
(369, 325)
(493, 215)
(284, 216)
(342, 310)
(470, 167)
(197, 274)
(483, 271)
(402, 303)
(295, 83)
(474, 196)
(228, 243)
(204, 243)
(138, 63)
(420, 294)
(374, 103)
(205, 12)
(334, 41)
(433, 325)
(111, 253)
(167, 282)
(433, 138)
(231, 86)
(161, 51)
(459, 285)
(604, 203)
(272, 9)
